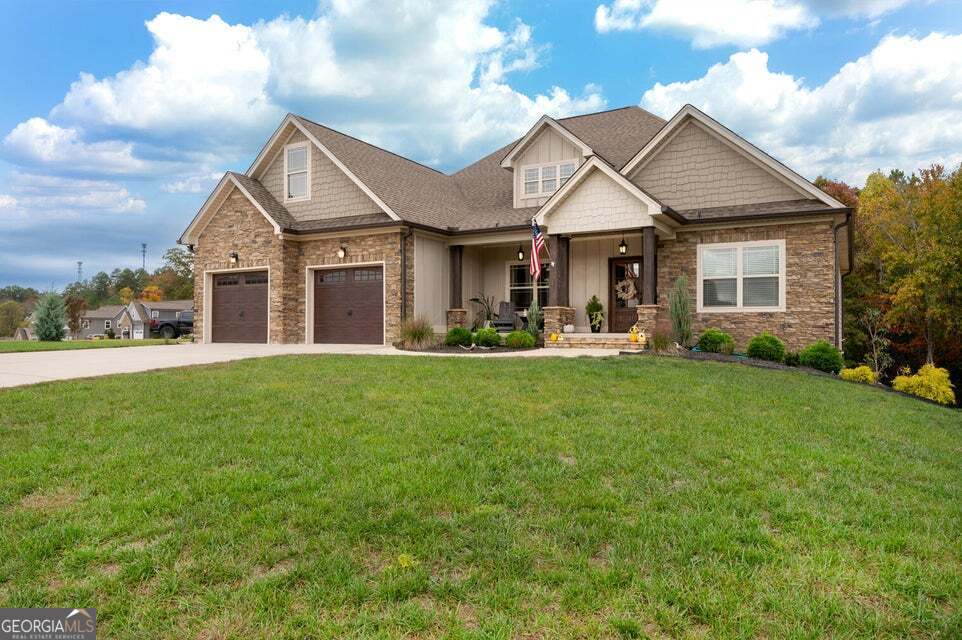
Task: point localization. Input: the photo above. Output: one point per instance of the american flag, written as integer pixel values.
(537, 244)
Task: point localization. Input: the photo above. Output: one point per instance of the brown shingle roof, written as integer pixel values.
(106, 311)
(736, 212)
(480, 196)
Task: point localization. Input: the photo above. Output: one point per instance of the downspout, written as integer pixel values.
(847, 223)
(404, 272)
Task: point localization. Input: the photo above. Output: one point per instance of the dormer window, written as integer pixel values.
(544, 179)
(297, 171)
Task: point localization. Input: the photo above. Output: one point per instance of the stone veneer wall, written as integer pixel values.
(809, 289)
(238, 226)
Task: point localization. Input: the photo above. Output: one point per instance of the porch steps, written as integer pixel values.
(594, 341)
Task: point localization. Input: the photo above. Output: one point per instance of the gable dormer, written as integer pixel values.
(543, 161)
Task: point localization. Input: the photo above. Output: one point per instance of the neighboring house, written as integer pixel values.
(96, 322)
(149, 316)
(327, 238)
(23, 333)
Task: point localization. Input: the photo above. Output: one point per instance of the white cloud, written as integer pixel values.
(7, 202)
(198, 183)
(427, 79)
(899, 106)
(39, 142)
(743, 23)
(54, 196)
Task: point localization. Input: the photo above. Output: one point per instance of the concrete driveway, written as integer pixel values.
(18, 369)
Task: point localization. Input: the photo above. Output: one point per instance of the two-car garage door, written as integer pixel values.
(348, 306)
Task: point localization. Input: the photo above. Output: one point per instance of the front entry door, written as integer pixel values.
(625, 292)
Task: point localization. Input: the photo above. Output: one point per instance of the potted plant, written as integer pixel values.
(596, 314)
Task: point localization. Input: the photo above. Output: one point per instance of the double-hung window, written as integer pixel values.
(545, 179)
(741, 276)
(521, 289)
(297, 171)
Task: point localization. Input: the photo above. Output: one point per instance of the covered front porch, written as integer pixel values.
(619, 268)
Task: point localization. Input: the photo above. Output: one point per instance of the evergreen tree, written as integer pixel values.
(49, 318)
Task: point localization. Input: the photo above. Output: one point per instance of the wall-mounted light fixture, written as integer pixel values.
(622, 247)
(342, 252)
(233, 257)
(190, 248)
(520, 252)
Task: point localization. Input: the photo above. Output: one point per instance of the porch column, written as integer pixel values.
(457, 316)
(457, 253)
(649, 251)
(558, 286)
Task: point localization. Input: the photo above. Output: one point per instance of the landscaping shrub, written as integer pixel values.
(417, 333)
(595, 313)
(791, 359)
(519, 340)
(487, 337)
(458, 336)
(660, 342)
(930, 382)
(863, 374)
(679, 311)
(822, 356)
(535, 318)
(765, 346)
(716, 341)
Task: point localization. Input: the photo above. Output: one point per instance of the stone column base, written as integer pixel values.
(457, 318)
(647, 319)
(555, 318)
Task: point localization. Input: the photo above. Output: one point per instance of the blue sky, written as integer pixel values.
(117, 118)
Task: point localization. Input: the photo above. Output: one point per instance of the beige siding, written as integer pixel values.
(432, 277)
(484, 271)
(588, 267)
(470, 278)
(598, 204)
(695, 169)
(333, 194)
(548, 146)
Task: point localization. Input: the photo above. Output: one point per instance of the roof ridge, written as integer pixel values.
(373, 146)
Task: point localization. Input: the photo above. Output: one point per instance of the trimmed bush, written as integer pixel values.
(765, 346)
(417, 333)
(487, 338)
(519, 340)
(822, 356)
(930, 382)
(791, 359)
(716, 341)
(862, 374)
(458, 336)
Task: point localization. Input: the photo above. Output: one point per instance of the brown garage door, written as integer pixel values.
(239, 309)
(349, 305)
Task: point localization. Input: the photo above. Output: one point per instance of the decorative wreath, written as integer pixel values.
(625, 290)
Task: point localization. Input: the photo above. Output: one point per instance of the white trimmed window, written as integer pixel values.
(297, 171)
(107, 324)
(85, 324)
(154, 314)
(545, 179)
(741, 276)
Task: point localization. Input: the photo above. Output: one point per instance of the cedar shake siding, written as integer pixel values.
(696, 170)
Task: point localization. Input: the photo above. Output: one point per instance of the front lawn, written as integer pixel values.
(13, 346)
(339, 496)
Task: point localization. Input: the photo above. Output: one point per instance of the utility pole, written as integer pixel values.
(143, 255)
(80, 270)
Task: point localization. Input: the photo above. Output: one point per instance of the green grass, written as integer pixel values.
(13, 346)
(332, 496)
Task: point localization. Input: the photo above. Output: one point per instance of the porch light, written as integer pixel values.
(342, 252)
(622, 247)
(520, 252)
(233, 257)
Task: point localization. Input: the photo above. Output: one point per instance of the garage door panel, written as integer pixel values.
(239, 307)
(349, 306)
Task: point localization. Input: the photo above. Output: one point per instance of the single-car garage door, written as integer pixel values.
(239, 307)
(349, 305)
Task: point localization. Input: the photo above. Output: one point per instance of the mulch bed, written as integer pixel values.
(767, 364)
